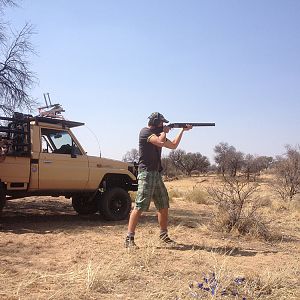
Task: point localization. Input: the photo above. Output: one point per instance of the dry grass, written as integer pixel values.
(175, 194)
(48, 252)
(135, 276)
(198, 196)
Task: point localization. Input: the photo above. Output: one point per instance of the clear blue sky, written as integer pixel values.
(110, 63)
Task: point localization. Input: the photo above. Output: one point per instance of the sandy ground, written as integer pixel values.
(47, 251)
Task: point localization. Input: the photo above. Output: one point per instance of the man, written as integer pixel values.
(150, 183)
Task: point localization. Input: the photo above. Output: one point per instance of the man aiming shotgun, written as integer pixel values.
(150, 184)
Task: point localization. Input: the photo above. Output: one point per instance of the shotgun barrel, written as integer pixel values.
(183, 125)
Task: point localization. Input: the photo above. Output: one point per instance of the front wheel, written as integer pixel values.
(115, 204)
(83, 205)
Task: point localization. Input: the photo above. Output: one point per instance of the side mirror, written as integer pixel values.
(57, 135)
(73, 151)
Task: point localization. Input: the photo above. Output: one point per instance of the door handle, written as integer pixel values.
(47, 161)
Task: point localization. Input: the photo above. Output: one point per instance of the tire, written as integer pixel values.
(2, 198)
(115, 204)
(83, 205)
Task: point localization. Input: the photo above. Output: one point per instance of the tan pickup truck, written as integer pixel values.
(40, 156)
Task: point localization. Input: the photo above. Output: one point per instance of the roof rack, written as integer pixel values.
(37, 119)
(64, 123)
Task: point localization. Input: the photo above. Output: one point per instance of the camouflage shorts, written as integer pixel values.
(151, 186)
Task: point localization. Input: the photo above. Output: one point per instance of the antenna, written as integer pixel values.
(95, 136)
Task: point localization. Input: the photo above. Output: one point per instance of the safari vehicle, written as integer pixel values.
(40, 156)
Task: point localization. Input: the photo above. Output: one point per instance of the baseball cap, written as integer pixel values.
(158, 116)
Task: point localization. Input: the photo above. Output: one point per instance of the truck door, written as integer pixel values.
(61, 164)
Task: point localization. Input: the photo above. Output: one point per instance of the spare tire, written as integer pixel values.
(115, 204)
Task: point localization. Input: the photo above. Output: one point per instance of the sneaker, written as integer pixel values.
(166, 239)
(129, 242)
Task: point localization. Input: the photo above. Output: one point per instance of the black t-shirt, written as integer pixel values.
(150, 155)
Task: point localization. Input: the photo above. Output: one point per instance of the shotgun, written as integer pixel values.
(183, 125)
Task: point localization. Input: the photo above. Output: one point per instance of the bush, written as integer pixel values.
(237, 208)
(266, 202)
(287, 174)
(197, 196)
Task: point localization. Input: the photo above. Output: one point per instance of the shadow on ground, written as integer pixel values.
(45, 216)
(228, 251)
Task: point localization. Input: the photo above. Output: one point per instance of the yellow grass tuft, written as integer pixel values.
(197, 196)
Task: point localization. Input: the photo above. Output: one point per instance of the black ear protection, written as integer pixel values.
(154, 119)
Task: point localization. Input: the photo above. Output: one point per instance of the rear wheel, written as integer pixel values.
(83, 205)
(115, 204)
(2, 197)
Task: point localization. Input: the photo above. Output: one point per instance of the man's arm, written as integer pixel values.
(162, 141)
(173, 144)
(158, 140)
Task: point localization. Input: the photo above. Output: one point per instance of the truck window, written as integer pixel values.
(58, 141)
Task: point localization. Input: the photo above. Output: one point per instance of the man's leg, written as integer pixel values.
(133, 220)
(162, 216)
(142, 202)
(161, 200)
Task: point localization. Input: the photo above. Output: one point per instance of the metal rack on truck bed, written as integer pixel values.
(15, 135)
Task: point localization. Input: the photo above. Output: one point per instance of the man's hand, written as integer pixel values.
(188, 127)
(166, 129)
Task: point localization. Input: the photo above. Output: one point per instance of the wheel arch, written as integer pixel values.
(111, 180)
